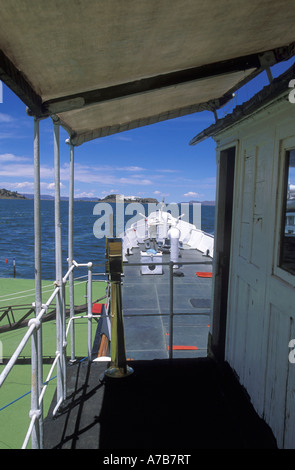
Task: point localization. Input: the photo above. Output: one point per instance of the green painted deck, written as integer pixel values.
(18, 384)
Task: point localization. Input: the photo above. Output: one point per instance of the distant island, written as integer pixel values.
(144, 200)
(109, 198)
(203, 203)
(6, 194)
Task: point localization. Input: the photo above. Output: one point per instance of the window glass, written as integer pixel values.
(287, 255)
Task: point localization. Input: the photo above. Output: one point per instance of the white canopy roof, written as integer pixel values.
(107, 66)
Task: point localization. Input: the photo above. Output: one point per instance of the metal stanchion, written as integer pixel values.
(114, 266)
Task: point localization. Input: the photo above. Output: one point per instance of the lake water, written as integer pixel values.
(17, 236)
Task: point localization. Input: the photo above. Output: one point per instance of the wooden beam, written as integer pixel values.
(145, 85)
(80, 100)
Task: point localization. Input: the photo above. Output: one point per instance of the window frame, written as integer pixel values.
(283, 169)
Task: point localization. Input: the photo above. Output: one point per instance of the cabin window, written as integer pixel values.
(287, 250)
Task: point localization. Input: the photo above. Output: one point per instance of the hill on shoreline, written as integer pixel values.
(6, 194)
(109, 198)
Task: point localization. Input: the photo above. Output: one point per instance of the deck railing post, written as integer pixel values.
(37, 340)
(89, 311)
(64, 341)
(58, 267)
(71, 249)
(171, 310)
(35, 411)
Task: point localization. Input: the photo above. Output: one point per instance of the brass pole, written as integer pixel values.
(118, 367)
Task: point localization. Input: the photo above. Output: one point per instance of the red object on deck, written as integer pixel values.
(204, 274)
(184, 348)
(96, 308)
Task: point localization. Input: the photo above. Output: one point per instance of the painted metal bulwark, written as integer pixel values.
(261, 296)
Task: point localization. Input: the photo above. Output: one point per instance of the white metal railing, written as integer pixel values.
(34, 331)
(36, 422)
(34, 324)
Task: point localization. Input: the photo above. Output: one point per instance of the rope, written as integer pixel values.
(11, 403)
(45, 290)
(12, 296)
(28, 393)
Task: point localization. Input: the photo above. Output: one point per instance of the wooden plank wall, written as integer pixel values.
(261, 301)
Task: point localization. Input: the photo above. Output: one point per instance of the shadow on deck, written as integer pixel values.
(178, 404)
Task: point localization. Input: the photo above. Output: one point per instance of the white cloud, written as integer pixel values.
(6, 135)
(9, 157)
(144, 182)
(51, 186)
(129, 168)
(22, 187)
(17, 170)
(85, 194)
(192, 194)
(28, 186)
(107, 175)
(4, 118)
(160, 193)
(111, 191)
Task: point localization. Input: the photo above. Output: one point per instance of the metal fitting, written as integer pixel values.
(33, 413)
(36, 322)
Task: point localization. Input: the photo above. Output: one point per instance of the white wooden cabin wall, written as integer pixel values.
(261, 300)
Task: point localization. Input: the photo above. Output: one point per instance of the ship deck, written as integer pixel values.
(178, 404)
(146, 308)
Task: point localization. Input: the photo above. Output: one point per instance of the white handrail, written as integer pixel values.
(76, 317)
(33, 325)
(16, 353)
(26, 338)
(29, 432)
(45, 385)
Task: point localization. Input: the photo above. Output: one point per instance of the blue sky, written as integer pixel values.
(152, 161)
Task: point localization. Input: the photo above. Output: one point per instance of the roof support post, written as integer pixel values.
(36, 350)
(60, 320)
(71, 248)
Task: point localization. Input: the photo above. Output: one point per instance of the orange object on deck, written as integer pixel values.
(184, 348)
(204, 274)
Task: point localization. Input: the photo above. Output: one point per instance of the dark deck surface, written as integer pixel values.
(165, 404)
(144, 295)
